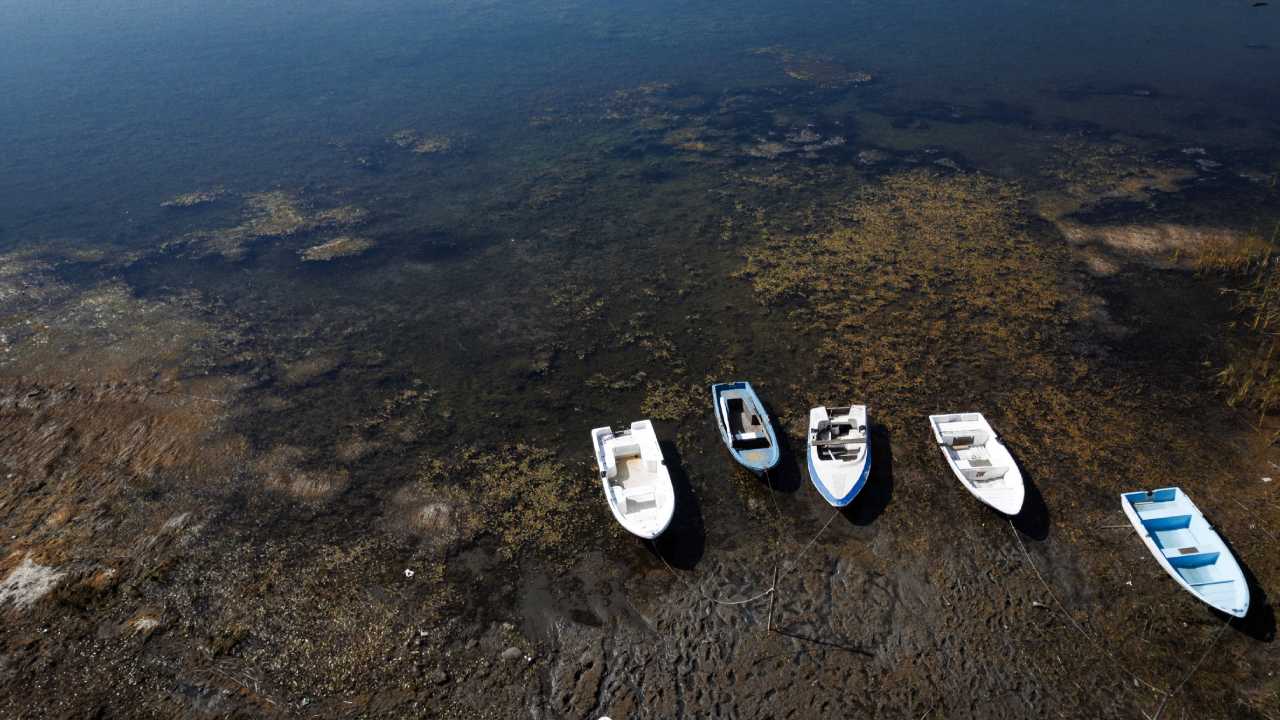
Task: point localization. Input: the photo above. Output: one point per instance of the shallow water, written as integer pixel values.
(563, 215)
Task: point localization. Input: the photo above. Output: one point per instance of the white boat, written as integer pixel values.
(839, 456)
(979, 460)
(1188, 548)
(635, 478)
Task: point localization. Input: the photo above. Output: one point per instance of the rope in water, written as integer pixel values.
(1072, 620)
(1091, 638)
(1169, 695)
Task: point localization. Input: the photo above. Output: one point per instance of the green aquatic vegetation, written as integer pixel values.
(940, 247)
(1084, 172)
(339, 247)
(420, 144)
(578, 301)
(193, 199)
(273, 214)
(672, 402)
(600, 381)
(1250, 377)
(310, 618)
(929, 288)
(817, 69)
(526, 498)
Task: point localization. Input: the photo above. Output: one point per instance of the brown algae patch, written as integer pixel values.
(672, 402)
(1085, 173)
(420, 144)
(523, 496)
(817, 69)
(310, 369)
(194, 199)
(143, 625)
(1158, 244)
(649, 103)
(72, 454)
(339, 247)
(282, 469)
(330, 621)
(928, 288)
(442, 516)
(103, 332)
(273, 214)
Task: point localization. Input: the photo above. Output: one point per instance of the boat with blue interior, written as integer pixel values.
(1188, 548)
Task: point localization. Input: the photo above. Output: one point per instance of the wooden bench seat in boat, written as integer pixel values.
(961, 435)
(984, 474)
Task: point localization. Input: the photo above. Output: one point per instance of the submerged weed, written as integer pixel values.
(523, 496)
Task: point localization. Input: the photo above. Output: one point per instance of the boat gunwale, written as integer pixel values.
(774, 452)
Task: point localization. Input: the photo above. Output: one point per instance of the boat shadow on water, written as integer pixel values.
(1260, 622)
(873, 499)
(1033, 520)
(787, 476)
(683, 543)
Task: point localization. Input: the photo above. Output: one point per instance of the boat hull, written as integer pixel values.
(1004, 494)
(756, 459)
(633, 474)
(825, 479)
(1189, 549)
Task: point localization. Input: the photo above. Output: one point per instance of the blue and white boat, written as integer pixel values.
(839, 457)
(1188, 548)
(744, 425)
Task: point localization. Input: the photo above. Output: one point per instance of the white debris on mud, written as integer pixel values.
(144, 624)
(27, 583)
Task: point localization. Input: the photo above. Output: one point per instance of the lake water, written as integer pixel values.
(414, 251)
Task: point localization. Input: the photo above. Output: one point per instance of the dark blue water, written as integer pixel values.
(110, 108)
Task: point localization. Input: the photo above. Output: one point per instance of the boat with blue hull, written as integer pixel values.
(744, 426)
(1188, 548)
(839, 456)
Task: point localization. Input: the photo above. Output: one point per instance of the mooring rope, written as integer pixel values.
(814, 539)
(1167, 694)
(782, 536)
(1072, 620)
(1171, 693)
